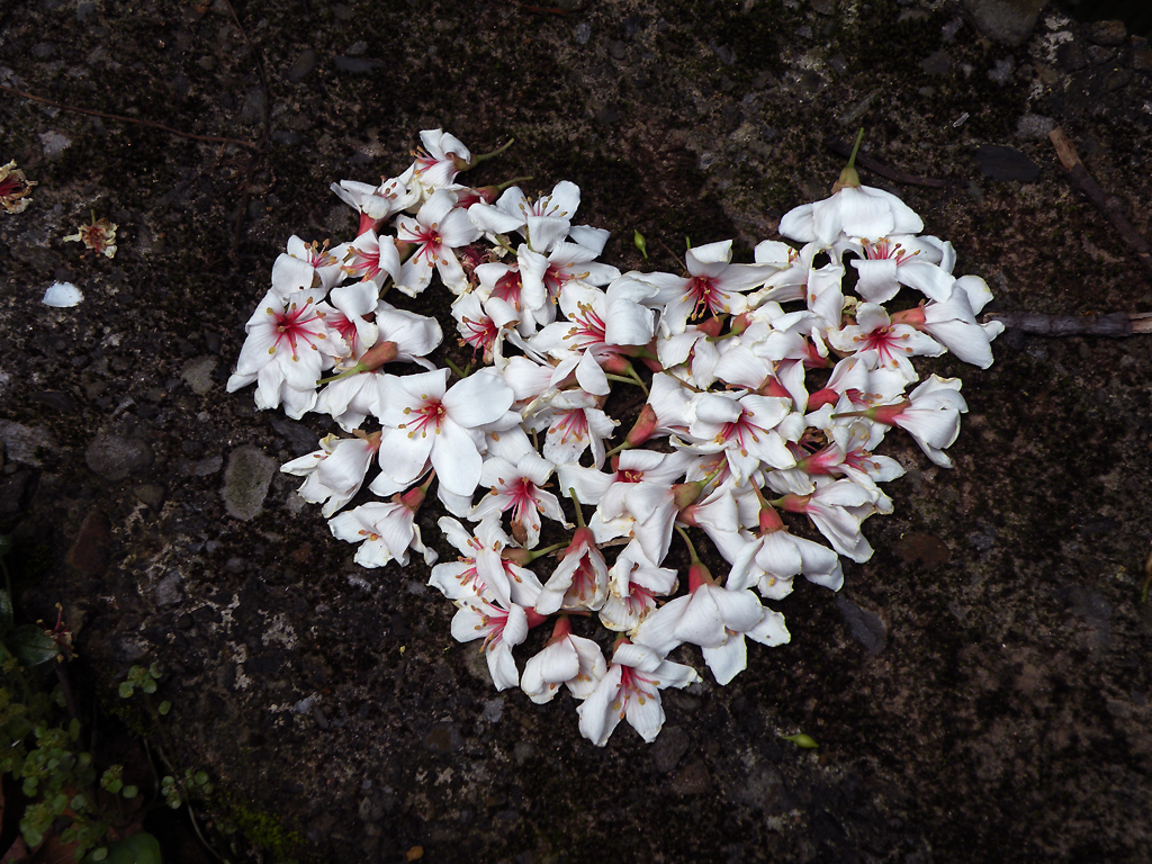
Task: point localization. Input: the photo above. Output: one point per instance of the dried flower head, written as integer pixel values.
(14, 188)
(99, 236)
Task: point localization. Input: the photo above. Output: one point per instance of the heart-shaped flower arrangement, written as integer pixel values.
(705, 404)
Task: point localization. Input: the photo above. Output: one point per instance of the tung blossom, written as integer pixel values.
(630, 689)
(425, 422)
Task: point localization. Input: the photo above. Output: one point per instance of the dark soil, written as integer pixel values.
(979, 689)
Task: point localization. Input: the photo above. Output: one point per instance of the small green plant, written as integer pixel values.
(40, 745)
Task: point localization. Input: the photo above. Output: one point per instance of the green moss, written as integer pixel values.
(264, 830)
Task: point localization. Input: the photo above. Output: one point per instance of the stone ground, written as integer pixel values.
(979, 689)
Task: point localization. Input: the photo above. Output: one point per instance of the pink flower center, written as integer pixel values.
(572, 424)
(481, 335)
(588, 330)
(885, 342)
(508, 288)
(705, 294)
(737, 430)
(430, 414)
(632, 685)
(884, 248)
(430, 242)
(555, 277)
(292, 325)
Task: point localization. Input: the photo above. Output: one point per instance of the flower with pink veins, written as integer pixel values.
(371, 258)
(580, 582)
(545, 221)
(501, 627)
(519, 488)
(630, 469)
(401, 336)
(751, 430)
(304, 266)
(630, 689)
(574, 422)
(476, 327)
(482, 570)
(894, 343)
(543, 276)
(425, 421)
(930, 414)
(385, 531)
(289, 345)
(714, 286)
(567, 659)
(634, 583)
(923, 263)
(442, 157)
(336, 471)
(354, 302)
(437, 229)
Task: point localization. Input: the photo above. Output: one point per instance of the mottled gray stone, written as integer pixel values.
(1007, 21)
(197, 374)
(865, 627)
(115, 457)
(246, 481)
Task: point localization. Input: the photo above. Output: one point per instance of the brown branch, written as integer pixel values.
(1110, 206)
(1115, 324)
(212, 139)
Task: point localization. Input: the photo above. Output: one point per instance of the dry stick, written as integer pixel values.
(250, 173)
(213, 139)
(1114, 324)
(1110, 206)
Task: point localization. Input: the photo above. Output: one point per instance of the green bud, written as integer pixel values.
(801, 740)
(641, 243)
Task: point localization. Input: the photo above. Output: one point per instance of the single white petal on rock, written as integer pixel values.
(63, 295)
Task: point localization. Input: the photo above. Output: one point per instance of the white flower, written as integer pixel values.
(425, 421)
(336, 471)
(441, 158)
(518, 488)
(567, 659)
(289, 345)
(385, 532)
(438, 229)
(894, 343)
(500, 628)
(482, 571)
(631, 689)
(580, 582)
(856, 211)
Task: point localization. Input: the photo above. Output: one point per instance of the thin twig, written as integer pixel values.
(212, 139)
(1116, 325)
(250, 172)
(1110, 206)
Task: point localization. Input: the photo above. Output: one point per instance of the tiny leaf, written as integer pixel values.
(33, 646)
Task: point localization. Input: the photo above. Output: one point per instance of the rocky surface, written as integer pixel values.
(981, 685)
